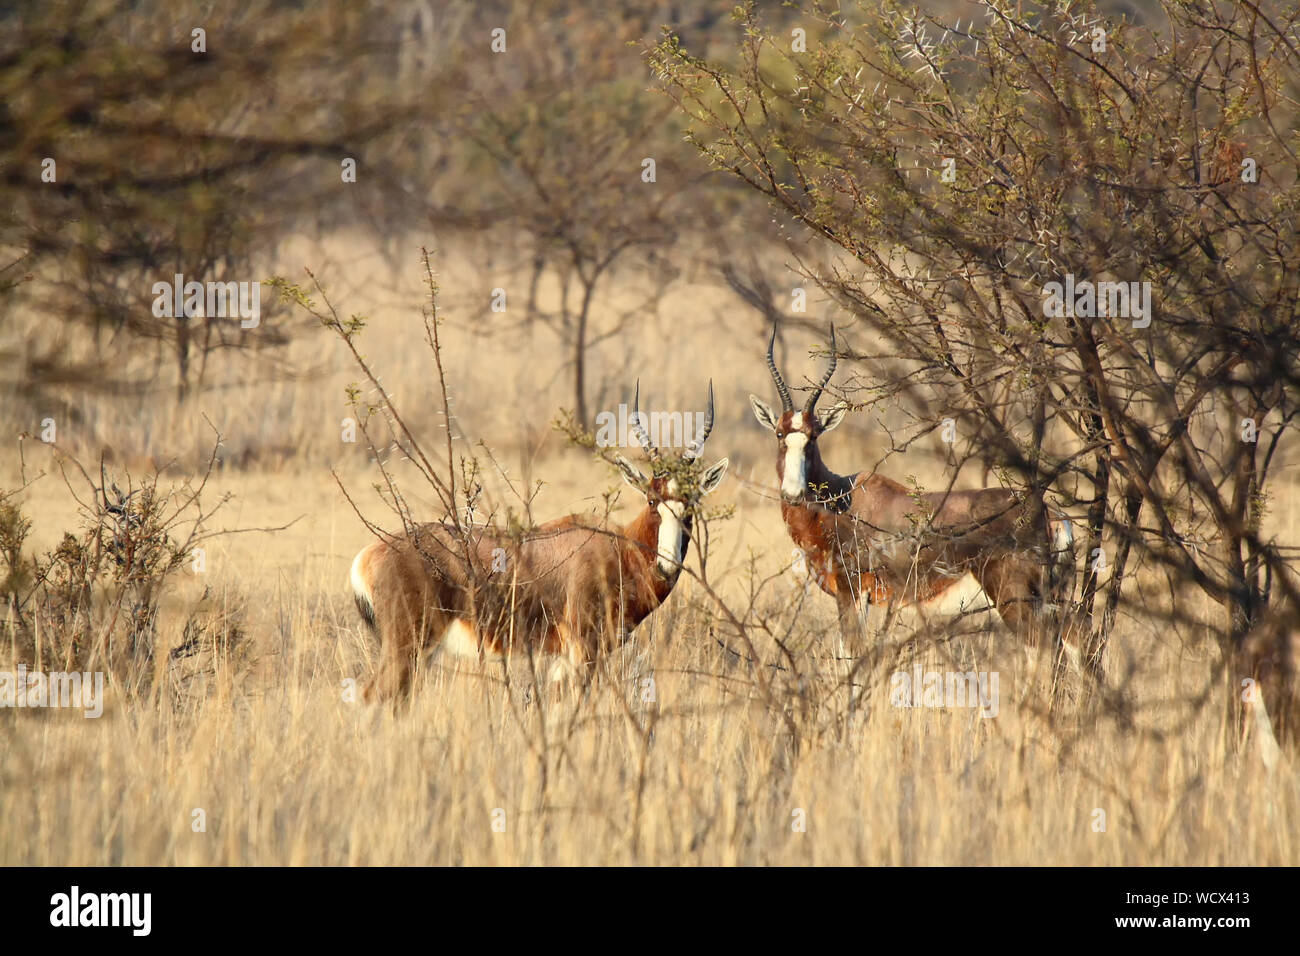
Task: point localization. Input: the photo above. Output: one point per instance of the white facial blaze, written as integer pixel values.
(794, 477)
(672, 536)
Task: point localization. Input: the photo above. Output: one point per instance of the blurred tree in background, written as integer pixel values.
(145, 140)
(193, 140)
(594, 173)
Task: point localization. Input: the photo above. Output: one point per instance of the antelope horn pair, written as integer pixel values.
(643, 436)
(787, 403)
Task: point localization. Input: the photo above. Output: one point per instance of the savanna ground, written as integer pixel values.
(795, 760)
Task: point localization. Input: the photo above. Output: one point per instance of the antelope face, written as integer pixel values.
(674, 493)
(673, 497)
(797, 431)
(796, 442)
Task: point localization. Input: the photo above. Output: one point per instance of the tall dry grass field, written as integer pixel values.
(691, 748)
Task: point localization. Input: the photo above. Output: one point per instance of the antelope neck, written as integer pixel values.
(643, 530)
(824, 487)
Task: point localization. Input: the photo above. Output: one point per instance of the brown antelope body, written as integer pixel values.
(868, 538)
(571, 587)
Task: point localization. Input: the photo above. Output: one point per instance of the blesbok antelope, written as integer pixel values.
(1269, 656)
(868, 538)
(571, 587)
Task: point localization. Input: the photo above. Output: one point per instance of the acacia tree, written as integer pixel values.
(962, 168)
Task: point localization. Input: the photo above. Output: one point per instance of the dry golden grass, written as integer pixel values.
(719, 769)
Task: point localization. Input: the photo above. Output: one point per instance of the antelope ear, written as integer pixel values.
(713, 477)
(631, 474)
(763, 412)
(834, 415)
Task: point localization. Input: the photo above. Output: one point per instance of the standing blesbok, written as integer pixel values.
(867, 538)
(1268, 662)
(571, 587)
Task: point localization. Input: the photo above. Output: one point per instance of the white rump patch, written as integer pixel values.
(360, 587)
(964, 597)
(964, 601)
(460, 640)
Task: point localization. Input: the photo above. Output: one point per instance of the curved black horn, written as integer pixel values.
(787, 403)
(639, 429)
(708, 418)
(697, 444)
(830, 370)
